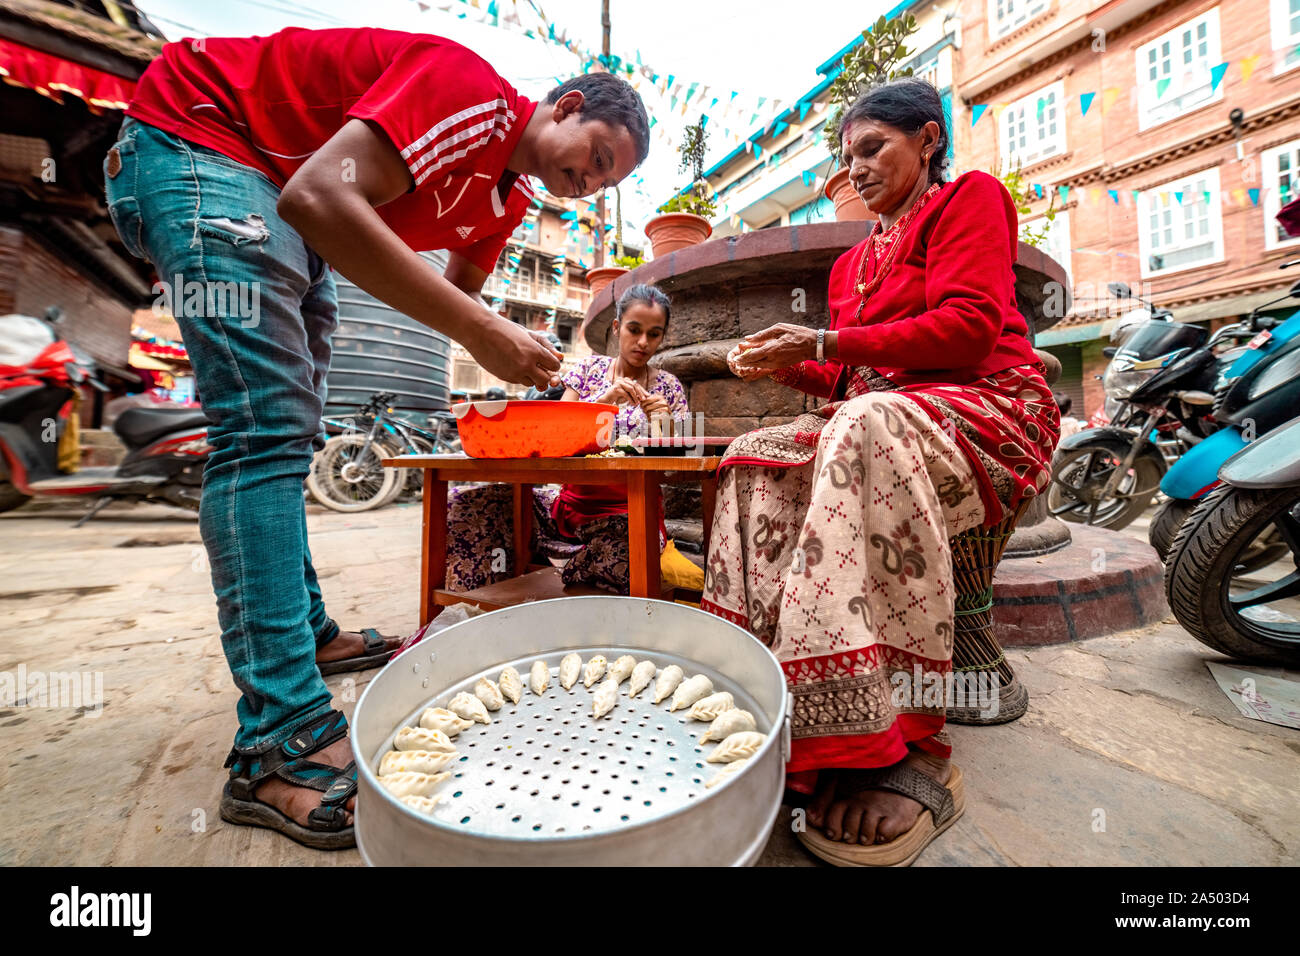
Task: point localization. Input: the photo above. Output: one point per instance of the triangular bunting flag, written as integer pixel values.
(1254, 196)
(1216, 76)
(1161, 86)
(1085, 101)
(976, 112)
(1108, 97)
(1178, 195)
(803, 110)
(1248, 66)
(1063, 192)
(1114, 195)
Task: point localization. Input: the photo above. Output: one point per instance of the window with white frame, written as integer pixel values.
(1173, 70)
(1281, 171)
(1033, 127)
(1007, 15)
(1056, 243)
(1285, 16)
(1180, 224)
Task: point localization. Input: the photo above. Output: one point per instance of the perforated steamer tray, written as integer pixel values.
(545, 783)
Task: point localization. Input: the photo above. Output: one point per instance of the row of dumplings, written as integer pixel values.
(413, 770)
(735, 729)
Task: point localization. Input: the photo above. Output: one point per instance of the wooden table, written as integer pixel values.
(642, 477)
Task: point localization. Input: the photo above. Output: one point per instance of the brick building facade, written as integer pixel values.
(1174, 128)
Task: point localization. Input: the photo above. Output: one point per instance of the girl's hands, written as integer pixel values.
(779, 346)
(624, 391)
(654, 405)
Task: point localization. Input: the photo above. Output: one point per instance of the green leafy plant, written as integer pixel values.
(872, 63)
(1021, 196)
(698, 197)
(629, 262)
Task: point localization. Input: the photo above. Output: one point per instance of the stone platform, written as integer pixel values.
(1102, 582)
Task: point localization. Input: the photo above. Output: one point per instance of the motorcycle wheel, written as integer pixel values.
(1079, 475)
(11, 497)
(1221, 605)
(1169, 517)
(343, 478)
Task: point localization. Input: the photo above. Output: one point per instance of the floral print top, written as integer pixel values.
(592, 377)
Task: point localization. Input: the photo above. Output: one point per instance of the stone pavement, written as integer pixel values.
(1129, 754)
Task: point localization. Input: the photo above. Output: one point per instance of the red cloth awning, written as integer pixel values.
(53, 76)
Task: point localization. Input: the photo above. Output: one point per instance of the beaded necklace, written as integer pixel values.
(888, 239)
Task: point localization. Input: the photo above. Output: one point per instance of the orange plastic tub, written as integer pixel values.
(536, 429)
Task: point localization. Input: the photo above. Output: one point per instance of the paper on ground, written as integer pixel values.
(1259, 696)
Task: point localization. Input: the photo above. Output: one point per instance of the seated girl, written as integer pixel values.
(586, 524)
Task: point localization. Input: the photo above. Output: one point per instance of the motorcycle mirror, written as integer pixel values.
(1120, 290)
(1109, 351)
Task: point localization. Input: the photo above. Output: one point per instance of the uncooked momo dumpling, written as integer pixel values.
(726, 772)
(511, 685)
(570, 669)
(727, 723)
(604, 698)
(691, 690)
(539, 677)
(424, 804)
(419, 761)
(488, 692)
(440, 718)
(622, 668)
(594, 670)
(470, 707)
(706, 708)
(736, 746)
(409, 783)
(667, 683)
(422, 738)
(642, 675)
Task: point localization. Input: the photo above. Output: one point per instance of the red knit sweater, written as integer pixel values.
(946, 312)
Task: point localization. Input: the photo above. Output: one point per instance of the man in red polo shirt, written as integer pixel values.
(246, 168)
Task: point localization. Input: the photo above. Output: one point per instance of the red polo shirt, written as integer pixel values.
(270, 102)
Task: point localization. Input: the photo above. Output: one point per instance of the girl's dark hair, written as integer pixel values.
(906, 104)
(608, 98)
(646, 294)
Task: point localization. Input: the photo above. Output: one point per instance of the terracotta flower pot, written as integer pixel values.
(849, 206)
(676, 230)
(597, 279)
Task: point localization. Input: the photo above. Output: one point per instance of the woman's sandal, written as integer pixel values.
(377, 654)
(942, 805)
(327, 827)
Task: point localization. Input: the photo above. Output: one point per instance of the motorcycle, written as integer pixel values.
(166, 447)
(1260, 391)
(1253, 615)
(1160, 392)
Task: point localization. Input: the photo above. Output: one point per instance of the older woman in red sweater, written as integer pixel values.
(830, 539)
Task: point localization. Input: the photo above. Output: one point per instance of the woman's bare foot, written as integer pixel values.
(297, 802)
(350, 644)
(871, 816)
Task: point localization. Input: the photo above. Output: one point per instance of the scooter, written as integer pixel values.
(1159, 396)
(166, 447)
(1253, 615)
(1261, 391)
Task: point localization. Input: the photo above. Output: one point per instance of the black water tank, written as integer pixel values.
(378, 349)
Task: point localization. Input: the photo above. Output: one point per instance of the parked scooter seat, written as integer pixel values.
(139, 426)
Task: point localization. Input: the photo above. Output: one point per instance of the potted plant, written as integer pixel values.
(684, 219)
(871, 64)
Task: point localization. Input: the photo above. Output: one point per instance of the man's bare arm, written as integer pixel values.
(336, 215)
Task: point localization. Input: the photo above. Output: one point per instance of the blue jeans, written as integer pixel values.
(256, 308)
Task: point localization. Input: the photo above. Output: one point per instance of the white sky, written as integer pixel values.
(759, 48)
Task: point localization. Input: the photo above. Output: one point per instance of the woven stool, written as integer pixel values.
(976, 653)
